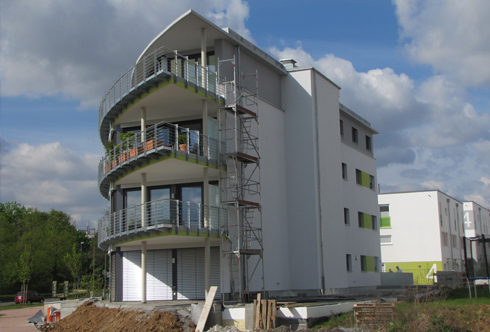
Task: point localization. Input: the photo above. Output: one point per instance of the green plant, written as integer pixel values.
(182, 139)
(109, 145)
(125, 138)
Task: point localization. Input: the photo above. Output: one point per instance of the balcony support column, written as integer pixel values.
(204, 59)
(205, 196)
(143, 272)
(143, 124)
(207, 265)
(143, 199)
(205, 130)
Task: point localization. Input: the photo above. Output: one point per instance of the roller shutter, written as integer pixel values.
(132, 276)
(159, 275)
(190, 273)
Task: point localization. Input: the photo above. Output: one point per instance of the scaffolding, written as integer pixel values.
(240, 183)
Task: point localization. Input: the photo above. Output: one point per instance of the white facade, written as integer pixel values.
(421, 233)
(316, 162)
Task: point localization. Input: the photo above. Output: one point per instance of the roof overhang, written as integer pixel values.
(184, 34)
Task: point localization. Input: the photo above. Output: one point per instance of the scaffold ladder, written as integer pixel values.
(240, 183)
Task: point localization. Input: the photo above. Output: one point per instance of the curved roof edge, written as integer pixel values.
(227, 33)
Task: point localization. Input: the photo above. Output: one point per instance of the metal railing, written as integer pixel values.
(160, 136)
(162, 213)
(161, 61)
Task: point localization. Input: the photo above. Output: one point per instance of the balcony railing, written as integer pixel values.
(158, 137)
(161, 61)
(162, 213)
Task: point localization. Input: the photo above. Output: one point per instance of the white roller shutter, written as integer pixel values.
(159, 275)
(190, 273)
(132, 276)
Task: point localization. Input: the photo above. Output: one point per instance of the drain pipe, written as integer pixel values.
(318, 174)
(450, 234)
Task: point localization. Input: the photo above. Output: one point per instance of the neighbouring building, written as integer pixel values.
(476, 226)
(226, 167)
(422, 232)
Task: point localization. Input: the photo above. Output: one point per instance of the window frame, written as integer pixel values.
(355, 135)
(368, 143)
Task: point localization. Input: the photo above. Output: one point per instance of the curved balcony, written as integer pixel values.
(161, 65)
(162, 217)
(159, 141)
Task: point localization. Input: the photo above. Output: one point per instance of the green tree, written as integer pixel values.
(24, 267)
(73, 261)
(49, 235)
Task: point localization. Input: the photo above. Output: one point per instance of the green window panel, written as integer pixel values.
(370, 263)
(365, 180)
(368, 221)
(385, 222)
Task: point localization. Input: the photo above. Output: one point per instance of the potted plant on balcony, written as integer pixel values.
(109, 147)
(127, 140)
(183, 142)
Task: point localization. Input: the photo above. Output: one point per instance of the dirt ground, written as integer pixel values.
(88, 318)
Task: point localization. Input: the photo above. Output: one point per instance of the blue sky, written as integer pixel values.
(417, 70)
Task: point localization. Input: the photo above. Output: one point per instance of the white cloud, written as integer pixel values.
(76, 49)
(451, 36)
(50, 176)
(482, 194)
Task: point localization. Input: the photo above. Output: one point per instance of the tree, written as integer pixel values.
(73, 261)
(24, 268)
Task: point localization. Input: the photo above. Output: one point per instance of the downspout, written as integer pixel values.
(319, 191)
(459, 234)
(450, 234)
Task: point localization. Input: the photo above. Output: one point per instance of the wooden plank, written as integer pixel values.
(206, 309)
(257, 312)
(274, 322)
(263, 317)
(269, 311)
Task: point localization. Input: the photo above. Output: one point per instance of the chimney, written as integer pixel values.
(288, 63)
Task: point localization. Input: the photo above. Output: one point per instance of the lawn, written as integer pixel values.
(452, 312)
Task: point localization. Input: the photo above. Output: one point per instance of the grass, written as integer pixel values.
(451, 312)
(20, 306)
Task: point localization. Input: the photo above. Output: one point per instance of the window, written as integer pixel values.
(376, 264)
(346, 216)
(385, 220)
(341, 128)
(360, 217)
(363, 264)
(348, 262)
(371, 182)
(374, 220)
(385, 239)
(455, 242)
(444, 239)
(344, 171)
(368, 143)
(355, 137)
(358, 176)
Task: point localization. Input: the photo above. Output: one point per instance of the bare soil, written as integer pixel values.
(88, 318)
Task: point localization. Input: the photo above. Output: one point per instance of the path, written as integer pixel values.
(15, 320)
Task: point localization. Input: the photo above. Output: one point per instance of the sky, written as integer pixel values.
(417, 70)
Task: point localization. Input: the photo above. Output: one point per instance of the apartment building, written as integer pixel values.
(421, 232)
(227, 167)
